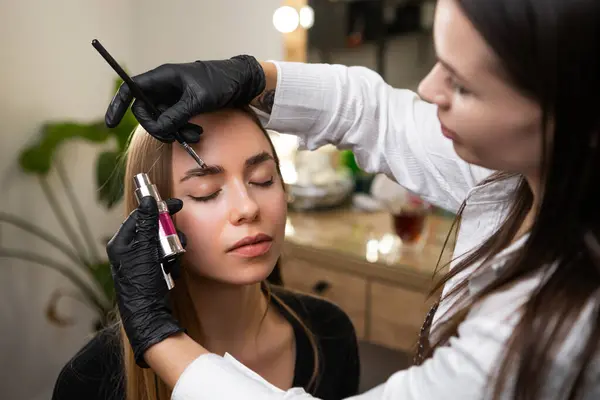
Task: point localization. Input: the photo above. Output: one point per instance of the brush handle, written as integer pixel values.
(139, 94)
(135, 89)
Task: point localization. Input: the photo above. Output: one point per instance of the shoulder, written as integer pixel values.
(324, 318)
(330, 326)
(94, 371)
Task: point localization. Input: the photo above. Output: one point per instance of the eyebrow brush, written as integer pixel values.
(138, 94)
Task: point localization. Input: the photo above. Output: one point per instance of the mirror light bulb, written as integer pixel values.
(307, 17)
(286, 19)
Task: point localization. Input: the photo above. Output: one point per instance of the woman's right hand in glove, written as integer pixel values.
(142, 293)
(186, 90)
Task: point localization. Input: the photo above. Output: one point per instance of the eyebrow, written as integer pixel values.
(451, 69)
(217, 169)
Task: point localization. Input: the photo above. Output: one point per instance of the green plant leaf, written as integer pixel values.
(37, 159)
(124, 130)
(110, 172)
(119, 81)
(103, 276)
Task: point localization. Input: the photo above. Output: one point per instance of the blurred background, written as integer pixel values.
(392, 37)
(356, 239)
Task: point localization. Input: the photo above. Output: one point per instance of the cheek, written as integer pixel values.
(199, 228)
(273, 207)
(498, 137)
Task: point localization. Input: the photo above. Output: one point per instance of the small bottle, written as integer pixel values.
(170, 245)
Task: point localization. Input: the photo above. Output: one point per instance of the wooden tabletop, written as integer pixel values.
(366, 244)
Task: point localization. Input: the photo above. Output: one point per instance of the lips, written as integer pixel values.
(250, 240)
(448, 133)
(252, 246)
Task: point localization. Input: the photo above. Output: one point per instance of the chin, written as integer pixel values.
(246, 273)
(235, 270)
(465, 154)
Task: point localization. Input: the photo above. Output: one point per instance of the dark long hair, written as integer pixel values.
(550, 51)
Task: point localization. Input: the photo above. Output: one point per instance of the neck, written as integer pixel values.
(230, 316)
(534, 182)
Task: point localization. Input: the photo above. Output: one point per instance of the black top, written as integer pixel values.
(96, 371)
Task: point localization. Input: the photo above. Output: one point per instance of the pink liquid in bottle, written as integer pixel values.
(165, 225)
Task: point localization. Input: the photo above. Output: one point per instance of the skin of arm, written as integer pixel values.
(265, 100)
(170, 357)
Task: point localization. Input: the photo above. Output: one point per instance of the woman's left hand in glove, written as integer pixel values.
(142, 293)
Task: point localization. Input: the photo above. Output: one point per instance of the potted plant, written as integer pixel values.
(39, 159)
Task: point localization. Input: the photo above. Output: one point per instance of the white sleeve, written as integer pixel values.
(212, 377)
(390, 131)
(458, 371)
(455, 372)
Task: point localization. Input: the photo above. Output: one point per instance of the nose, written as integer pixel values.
(243, 208)
(432, 90)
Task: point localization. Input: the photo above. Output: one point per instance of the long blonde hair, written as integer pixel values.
(148, 155)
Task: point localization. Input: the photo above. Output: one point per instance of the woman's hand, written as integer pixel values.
(142, 294)
(185, 90)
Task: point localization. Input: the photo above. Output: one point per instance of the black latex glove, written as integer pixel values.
(142, 293)
(185, 90)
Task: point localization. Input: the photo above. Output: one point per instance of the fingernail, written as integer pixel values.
(109, 116)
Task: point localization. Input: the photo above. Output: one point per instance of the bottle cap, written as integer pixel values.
(143, 188)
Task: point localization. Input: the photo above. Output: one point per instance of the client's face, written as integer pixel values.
(234, 210)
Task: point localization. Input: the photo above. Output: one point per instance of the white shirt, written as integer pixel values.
(393, 131)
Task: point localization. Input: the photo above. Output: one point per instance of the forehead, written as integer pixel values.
(229, 138)
(459, 43)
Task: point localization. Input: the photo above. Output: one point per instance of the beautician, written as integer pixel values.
(505, 133)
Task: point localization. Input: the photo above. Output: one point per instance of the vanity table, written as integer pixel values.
(353, 259)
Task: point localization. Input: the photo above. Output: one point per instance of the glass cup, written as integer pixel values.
(410, 222)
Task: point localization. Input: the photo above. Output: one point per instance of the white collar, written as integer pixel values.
(486, 274)
(498, 193)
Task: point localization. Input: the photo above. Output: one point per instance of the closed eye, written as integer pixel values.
(457, 87)
(263, 184)
(205, 198)
(215, 194)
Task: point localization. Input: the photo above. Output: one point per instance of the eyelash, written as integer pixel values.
(215, 194)
(459, 89)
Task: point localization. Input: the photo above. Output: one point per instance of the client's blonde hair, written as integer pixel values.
(148, 155)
